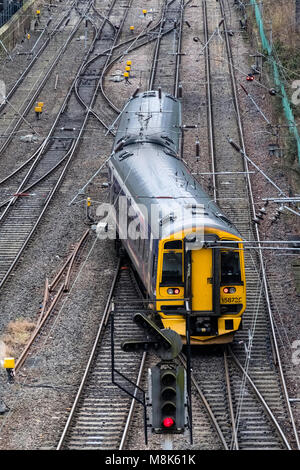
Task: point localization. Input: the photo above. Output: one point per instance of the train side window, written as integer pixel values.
(153, 265)
(230, 267)
(144, 247)
(172, 268)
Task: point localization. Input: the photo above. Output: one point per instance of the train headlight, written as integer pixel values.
(172, 291)
(229, 290)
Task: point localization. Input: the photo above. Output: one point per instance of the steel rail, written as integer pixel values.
(43, 82)
(104, 320)
(45, 313)
(235, 444)
(111, 104)
(45, 300)
(13, 264)
(132, 406)
(105, 70)
(21, 188)
(148, 41)
(38, 153)
(20, 361)
(34, 155)
(213, 419)
(128, 41)
(178, 53)
(92, 99)
(120, 57)
(261, 400)
(53, 284)
(109, 54)
(20, 168)
(257, 234)
(158, 40)
(36, 56)
(71, 264)
(209, 100)
(178, 49)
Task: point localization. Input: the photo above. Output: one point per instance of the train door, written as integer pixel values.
(202, 275)
(202, 280)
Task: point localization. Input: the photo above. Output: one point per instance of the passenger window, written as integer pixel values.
(230, 267)
(153, 265)
(172, 268)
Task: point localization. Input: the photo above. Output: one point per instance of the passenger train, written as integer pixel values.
(188, 255)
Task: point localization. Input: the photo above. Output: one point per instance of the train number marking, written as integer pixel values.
(231, 300)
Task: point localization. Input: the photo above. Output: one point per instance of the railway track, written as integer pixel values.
(104, 105)
(165, 47)
(100, 415)
(254, 345)
(54, 292)
(99, 62)
(32, 196)
(48, 32)
(27, 89)
(166, 59)
(238, 394)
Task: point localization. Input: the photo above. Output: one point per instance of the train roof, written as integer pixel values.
(154, 176)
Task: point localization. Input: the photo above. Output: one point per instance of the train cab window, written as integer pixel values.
(173, 245)
(172, 268)
(230, 267)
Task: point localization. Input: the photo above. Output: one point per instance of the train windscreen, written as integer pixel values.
(172, 268)
(230, 267)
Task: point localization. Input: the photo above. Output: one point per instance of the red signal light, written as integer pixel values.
(176, 291)
(168, 422)
(225, 290)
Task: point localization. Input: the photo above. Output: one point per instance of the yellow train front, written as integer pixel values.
(187, 253)
(206, 280)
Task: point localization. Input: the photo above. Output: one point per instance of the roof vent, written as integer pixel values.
(124, 155)
(167, 218)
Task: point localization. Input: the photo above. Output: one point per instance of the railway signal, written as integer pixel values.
(8, 363)
(126, 76)
(39, 109)
(168, 398)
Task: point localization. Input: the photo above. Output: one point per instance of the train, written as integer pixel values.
(187, 253)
